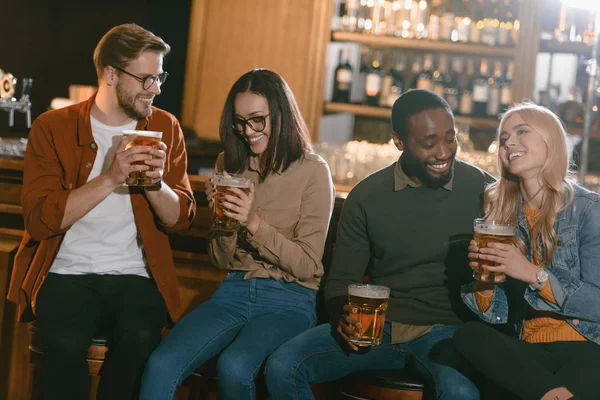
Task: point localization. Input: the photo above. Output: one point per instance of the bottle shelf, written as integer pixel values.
(422, 44)
(554, 46)
(386, 113)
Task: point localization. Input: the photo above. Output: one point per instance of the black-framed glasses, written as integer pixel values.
(148, 81)
(257, 123)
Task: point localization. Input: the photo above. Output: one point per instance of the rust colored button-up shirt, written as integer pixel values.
(59, 157)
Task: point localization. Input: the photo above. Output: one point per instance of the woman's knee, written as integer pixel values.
(467, 334)
(235, 368)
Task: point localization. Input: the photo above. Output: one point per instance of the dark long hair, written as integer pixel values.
(289, 138)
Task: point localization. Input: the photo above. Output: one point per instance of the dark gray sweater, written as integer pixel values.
(413, 240)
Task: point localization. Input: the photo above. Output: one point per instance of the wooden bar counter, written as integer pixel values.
(197, 278)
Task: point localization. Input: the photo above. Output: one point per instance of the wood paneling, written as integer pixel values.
(235, 36)
(527, 49)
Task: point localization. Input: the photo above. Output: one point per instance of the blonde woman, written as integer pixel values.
(550, 293)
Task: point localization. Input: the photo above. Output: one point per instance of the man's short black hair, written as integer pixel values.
(413, 102)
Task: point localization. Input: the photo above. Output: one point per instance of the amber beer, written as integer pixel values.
(487, 232)
(223, 184)
(144, 138)
(369, 303)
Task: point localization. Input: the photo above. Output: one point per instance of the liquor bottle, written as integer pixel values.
(504, 36)
(339, 16)
(489, 34)
(373, 81)
(466, 85)
(477, 22)
(452, 94)
(425, 77)
(463, 21)
(350, 20)
(402, 19)
(343, 78)
(440, 76)
(386, 83)
(447, 23)
(496, 84)
(481, 90)
(415, 70)
(506, 89)
(357, 92)
(419, 17)
(398, 83)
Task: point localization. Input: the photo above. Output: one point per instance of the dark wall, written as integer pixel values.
(52, 41)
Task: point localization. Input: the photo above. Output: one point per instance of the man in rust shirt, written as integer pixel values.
(96, 255)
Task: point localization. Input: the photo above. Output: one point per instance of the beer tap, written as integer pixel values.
(9, 103)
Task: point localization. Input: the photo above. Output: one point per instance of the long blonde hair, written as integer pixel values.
(502, 197)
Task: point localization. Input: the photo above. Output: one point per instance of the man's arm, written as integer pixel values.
(174, 203)
(49, 207)
(165, 204)
(350, 259)
(83, 199)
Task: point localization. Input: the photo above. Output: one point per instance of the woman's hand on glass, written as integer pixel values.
(211, 191)
(509, 260)
(239, 207)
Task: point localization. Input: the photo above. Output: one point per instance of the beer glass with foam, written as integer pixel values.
(486, 231)
(143, 138)
(368, 303)
(223, 184)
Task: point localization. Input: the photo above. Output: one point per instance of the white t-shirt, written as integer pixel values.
(106, 240)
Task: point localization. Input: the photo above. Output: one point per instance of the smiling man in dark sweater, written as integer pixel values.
(407, 226)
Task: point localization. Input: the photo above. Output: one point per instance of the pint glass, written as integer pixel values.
(487, 232)
(223, 184)
(369, 303)
(144, 138)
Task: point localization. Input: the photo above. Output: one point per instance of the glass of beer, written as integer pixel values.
(485, 232)
(223, 184)
(144, 138)
(369, 303)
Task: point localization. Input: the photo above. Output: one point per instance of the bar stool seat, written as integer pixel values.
(392, 384)
(95, 357)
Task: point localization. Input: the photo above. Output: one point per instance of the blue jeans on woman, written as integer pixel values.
(245, 321)
(315, 356)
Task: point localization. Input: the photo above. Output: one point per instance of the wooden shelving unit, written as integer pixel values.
(424, 45)
(554, 46)
(386, 113)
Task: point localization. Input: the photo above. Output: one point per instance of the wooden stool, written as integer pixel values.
(95, 358)
(394, 384)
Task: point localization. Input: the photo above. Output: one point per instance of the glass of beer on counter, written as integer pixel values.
(144, 138)
(368, 303)
(485, 232)
(223, 184)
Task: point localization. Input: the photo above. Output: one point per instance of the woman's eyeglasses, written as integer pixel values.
(257, 124)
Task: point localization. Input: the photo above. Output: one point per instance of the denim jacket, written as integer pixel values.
(574, 273)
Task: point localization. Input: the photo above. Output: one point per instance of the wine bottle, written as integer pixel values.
(343, 78)
(481, 90)
(373, 81)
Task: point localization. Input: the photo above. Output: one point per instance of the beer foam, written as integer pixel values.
(494, 229)
(236, 181)
(152, 134)
(370, 291)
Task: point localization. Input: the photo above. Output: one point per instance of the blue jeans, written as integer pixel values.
(315, 356)
(245, 321)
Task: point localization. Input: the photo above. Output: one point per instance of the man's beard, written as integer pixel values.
(126, 103)
(412, 166)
